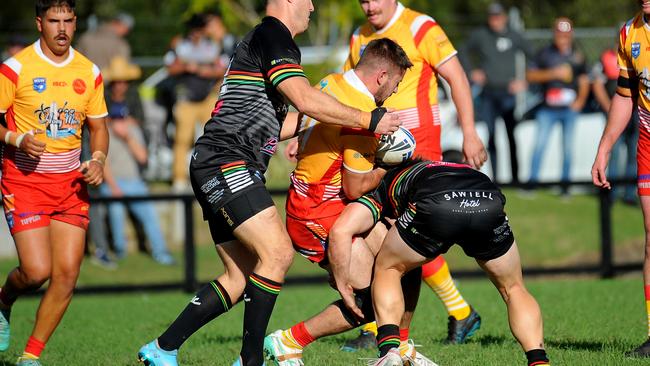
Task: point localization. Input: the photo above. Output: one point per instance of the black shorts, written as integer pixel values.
(229, 194)
(473, 219)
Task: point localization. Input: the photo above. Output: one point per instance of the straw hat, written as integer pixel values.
(120, 69)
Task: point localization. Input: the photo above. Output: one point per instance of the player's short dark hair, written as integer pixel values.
(385, 49)
(42, 6)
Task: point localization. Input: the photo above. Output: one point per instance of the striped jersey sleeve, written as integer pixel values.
(431, 41)
(280, 56)
(625, 65)
(9, 72)
(96, 107)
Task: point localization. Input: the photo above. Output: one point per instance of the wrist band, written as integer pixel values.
(97, 161)
(375, 116)
(8, 137)
(99, 157)
(19, 139)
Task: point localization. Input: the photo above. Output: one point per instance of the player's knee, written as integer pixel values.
(279, 260)
(510, 290)
(66, 277)
(35, 277)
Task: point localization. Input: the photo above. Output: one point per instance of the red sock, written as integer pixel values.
(34, 347)
(404, 334)
(301, 335)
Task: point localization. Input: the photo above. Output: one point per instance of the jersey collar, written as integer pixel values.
(39, 52)
(351, 77)
(645, 22)
(398, 13)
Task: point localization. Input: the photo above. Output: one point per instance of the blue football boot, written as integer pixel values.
(27, 362)
(5, 332)
(152, 355)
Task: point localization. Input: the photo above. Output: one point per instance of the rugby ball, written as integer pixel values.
(396, 148)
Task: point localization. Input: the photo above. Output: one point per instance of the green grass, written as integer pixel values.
(587, 322)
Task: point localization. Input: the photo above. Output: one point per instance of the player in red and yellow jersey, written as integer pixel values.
(336, 165)
(47, 92)
(416, 103)
(633, 88)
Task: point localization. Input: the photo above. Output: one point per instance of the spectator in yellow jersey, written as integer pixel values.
(416, 102)
(44, 183)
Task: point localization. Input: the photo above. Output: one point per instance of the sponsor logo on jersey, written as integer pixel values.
(227, 217)
(196, 301)
(208, 186)
(30, 220)
(270, 146)
(39, 84)
(323, 84)
(79, 86)
(60, 84)
(636, 49)
(469, 203)
(468, 194)
(59, 122)
(285, 60)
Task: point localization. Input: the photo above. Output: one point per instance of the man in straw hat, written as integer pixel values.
(122, 170)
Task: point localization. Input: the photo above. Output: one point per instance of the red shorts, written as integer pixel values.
(31, 203)
(309, 237)
(643, 162)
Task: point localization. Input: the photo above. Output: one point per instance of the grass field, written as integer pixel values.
(587, 322)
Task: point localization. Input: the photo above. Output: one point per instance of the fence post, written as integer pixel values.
(190, 284)
(606, 260)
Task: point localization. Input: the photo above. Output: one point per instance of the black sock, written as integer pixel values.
(537, 357)
(387, 338)
(259, 298)
(211, 301)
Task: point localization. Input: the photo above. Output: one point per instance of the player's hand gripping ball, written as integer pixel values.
(396, 148)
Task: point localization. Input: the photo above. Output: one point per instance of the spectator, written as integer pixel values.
(604, 78)
(490, 55)
(195, 63)
(108, 41)
(561, 70)
(100, 45)
(216, 30)
(122, 171)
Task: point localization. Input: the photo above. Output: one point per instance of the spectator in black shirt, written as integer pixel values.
(490, 55)
(561, 70)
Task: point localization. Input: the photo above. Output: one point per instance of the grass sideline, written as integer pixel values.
(587, 322)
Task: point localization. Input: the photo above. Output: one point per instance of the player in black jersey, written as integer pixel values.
(435, 205)
(227, 175)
